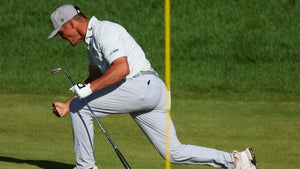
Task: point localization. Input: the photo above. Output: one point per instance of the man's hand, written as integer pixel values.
(81, 90)
(60, 109)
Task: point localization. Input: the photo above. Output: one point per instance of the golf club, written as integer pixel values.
(121, 157)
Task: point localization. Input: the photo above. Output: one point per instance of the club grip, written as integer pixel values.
(124, 162)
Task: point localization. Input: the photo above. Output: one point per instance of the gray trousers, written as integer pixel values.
(144, 98)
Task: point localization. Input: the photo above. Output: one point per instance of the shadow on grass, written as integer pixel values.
(44, 164)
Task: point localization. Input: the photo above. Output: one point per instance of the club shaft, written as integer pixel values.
(121, 157)
(69, 77)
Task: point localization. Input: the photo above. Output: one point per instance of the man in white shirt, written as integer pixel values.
(121, 80)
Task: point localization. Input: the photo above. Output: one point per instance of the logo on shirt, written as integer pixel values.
(114, 51)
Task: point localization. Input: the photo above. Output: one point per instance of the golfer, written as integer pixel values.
(121, 80)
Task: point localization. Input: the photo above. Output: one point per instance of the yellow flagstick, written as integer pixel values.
(167, 80)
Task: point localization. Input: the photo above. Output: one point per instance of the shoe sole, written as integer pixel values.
(253, 158)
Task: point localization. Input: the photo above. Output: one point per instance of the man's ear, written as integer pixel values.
(71, 23)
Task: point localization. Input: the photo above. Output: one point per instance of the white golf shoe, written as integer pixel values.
(245, 159)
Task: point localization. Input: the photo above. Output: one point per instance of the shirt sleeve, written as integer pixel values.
(113, 43)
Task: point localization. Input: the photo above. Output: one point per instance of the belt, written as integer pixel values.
(147, 72)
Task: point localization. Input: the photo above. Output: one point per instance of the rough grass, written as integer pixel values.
(220, 46)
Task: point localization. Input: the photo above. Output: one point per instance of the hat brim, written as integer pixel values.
(54, 32)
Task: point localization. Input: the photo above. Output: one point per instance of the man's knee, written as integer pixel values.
(76, 105)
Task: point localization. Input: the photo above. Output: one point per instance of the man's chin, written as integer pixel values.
(73, 44)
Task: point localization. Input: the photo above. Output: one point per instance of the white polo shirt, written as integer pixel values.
(108, 41)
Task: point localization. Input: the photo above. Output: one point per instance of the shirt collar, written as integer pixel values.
(89, 31)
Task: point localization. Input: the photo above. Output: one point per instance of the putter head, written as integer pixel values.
(56, 70)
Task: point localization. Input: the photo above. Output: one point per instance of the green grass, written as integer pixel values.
(32, 137)
(219, 46)
(235, 80)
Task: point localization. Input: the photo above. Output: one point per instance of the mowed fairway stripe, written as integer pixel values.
(32, 136)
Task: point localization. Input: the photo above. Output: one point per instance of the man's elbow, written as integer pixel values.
(125, 71)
